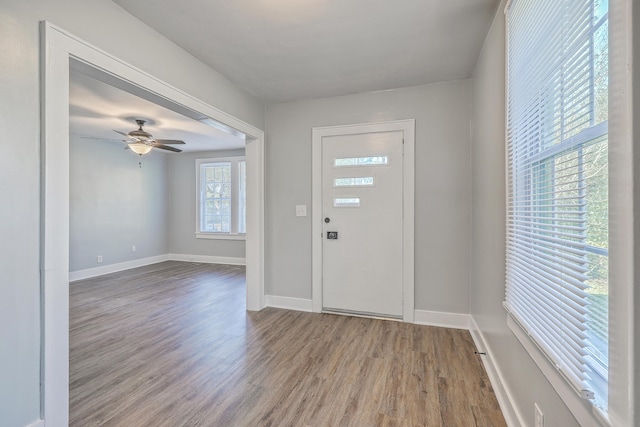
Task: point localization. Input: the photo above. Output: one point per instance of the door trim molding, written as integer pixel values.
(407, 127)
(58, 48)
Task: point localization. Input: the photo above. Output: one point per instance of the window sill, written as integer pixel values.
(220, 236)
(583, 410)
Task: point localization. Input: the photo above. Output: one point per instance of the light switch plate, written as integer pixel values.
(301, 210)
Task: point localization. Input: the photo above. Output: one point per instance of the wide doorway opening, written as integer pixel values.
(62, 52)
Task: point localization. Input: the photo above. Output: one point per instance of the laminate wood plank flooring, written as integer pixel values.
(171, 344)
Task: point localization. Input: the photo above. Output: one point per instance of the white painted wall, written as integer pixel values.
(182, 209)
(114, 204)
(106, 25)
(442, 196)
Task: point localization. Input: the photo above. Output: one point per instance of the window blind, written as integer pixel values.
(221, 199)
(557, 245)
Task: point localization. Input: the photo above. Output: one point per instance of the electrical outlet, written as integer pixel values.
(99, 259)
(133, 248)
(539, 417)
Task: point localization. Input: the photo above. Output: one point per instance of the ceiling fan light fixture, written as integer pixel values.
(140, 148)
(141, 142)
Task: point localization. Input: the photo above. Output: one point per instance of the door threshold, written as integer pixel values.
(366, 314)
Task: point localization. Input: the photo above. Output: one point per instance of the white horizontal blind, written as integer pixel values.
(557, 146)
(216, 197)
(242, 199)
(221, 200)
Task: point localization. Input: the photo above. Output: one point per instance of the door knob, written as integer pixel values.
(327, 220)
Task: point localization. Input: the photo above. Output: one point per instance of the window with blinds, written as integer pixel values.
(221, 201)
(557, 207)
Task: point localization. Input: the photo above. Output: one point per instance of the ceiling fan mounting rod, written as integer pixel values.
(140, 134)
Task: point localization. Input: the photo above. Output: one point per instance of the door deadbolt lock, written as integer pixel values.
(332, 235)
(327, 220)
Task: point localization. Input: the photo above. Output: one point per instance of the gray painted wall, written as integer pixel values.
(442, 196)
(106, 25)
(114, 203)
(443, 162)
(182, 209)
(635, 76)
(522, 376)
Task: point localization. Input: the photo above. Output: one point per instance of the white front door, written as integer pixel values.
(362, 215)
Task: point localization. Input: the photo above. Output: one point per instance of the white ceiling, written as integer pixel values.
(285, 50)
(96, 109)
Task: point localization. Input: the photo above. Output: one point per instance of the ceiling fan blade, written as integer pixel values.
(169, 141)
(121, 133)
(165, 147)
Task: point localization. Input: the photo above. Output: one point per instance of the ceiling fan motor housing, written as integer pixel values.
(139, 133)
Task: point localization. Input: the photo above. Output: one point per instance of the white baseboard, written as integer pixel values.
(297, 304)
(121, 266)
(37, 423)
(511, 415)
(114, 268)
(208, 259)
(442, 319)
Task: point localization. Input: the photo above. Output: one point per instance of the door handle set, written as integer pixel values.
(331, 235)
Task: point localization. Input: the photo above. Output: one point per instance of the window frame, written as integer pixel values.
(621, 316)
(236, 199)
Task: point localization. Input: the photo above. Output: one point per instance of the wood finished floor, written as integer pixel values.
(172, 345)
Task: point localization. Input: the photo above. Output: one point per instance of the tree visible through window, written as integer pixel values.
(221, 195)
(557, 249)
(216, 212)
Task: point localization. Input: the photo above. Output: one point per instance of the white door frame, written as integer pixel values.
(408, 184)
(58, 47)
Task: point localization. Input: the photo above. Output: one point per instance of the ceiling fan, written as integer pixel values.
(141, 142)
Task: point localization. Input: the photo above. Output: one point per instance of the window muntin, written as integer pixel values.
(216, 198)
(557, 231)
(221, 197)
